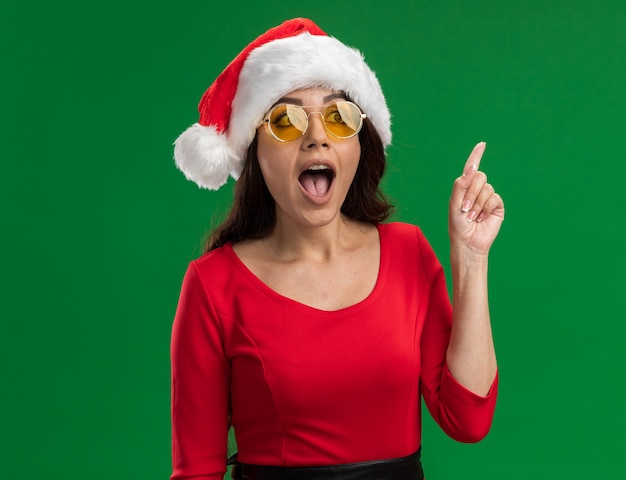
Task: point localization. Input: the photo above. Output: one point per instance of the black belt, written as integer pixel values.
(405, 468)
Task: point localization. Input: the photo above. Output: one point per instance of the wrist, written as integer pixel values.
(463, 255)
(469, 272)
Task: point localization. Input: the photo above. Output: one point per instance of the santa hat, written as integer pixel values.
(296, 54)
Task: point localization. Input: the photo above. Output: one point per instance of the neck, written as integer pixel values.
(316, 243)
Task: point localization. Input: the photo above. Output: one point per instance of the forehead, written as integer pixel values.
(311, 96)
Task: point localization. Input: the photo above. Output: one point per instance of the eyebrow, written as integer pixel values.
(297, 101)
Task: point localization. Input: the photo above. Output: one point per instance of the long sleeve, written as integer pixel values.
(200, 385)
(460, 413)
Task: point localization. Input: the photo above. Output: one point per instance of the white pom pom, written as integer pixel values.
(205, 157)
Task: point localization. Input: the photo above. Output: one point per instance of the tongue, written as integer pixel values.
(315, 183)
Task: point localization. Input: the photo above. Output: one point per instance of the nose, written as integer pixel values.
(315, 134)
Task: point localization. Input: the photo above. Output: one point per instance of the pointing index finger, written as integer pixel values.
(473, 162)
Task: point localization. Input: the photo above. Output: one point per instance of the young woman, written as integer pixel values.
(310, 324)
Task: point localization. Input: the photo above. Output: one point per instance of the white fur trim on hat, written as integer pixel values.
(282, 66)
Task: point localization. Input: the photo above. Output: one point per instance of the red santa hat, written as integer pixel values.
(296, 54)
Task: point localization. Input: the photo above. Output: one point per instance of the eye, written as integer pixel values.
(282, 120)
(333, 116)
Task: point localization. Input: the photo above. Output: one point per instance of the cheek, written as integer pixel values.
(357, 154)
(269, 167)
(274, 169)
(352, 155)
(266, 158)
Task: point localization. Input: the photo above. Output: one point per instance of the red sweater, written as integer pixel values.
(311, 387)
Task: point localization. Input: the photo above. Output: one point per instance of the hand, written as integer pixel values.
(476, 211)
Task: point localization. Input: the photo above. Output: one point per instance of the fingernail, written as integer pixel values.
(466, 206)
(471, 216)
(470, 170)
(480, 217)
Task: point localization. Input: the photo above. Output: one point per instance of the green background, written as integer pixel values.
(98, 225)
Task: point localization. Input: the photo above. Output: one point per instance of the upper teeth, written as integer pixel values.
(318, 167)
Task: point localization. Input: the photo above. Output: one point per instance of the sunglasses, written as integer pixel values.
(289, 122)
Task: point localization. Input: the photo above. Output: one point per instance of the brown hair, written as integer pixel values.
(253, 212)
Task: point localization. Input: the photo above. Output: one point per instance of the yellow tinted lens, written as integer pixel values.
(343, 119)
(287, 122)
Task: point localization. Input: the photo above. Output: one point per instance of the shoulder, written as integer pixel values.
(215, 259)
(219, 278)
(408, 242)
(402, 233)
(215, 267)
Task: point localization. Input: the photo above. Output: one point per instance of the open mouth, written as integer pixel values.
(317, 179)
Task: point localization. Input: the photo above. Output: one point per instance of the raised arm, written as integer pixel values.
(476, 213)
